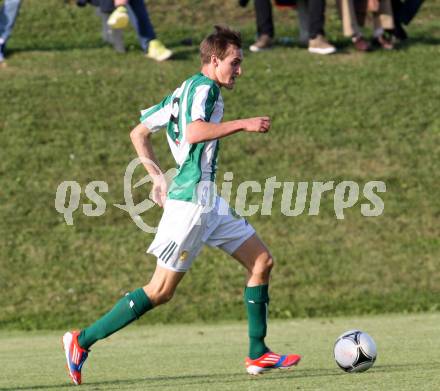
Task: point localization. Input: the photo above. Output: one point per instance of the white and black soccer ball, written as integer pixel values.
(355, 351)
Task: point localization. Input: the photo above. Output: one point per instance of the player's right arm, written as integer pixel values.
(152, 120)
(141, 138)
(199, 131)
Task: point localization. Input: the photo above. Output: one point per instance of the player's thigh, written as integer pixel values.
(163, 284)
(178, 240)
(253, 252)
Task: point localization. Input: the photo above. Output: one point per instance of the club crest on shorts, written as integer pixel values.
(183, 256)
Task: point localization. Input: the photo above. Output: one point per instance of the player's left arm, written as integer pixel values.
(200, 129)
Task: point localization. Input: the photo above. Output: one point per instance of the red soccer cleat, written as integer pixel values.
(270, 361)
(75, 355)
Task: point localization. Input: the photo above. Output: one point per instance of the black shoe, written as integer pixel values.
(400, 33)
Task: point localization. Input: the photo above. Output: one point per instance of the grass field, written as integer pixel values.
(210, 357)
(68, 102)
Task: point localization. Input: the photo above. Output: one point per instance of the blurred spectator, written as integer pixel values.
(311, 15)
(382, 20)
(303, 21)
(404, 11)
(140, 19)
(8, 14)
(265, 26)
(352, 13)
(115, 15)
(115, 37)
(353, 17)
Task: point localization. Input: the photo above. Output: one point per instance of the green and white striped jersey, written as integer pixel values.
(198, 98)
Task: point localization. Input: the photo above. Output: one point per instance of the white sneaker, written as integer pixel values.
(263, 42)
(320, 45)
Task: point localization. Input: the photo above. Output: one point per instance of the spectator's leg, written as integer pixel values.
(410, 9)
(106, 6)
(317, 42)
(349, 20)
(398, 31)
(264, 18)
(351, 27)
(8, 15)
(265, 28)
(386, 15)
(383, 19)
(303, 19)
(360, 7)
(316, 18)
(105, 29)
(397, 10)
(140, 19)
(113, 37)
(404, 12)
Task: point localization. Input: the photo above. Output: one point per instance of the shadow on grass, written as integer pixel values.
(183, 50)
(57, 47)
(345, 46)
(406, 367)
(230, 378)
(62, 46)
(186, 380)
(420, 40)
(180, 52)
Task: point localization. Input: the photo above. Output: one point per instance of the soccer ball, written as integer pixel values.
(355, 351)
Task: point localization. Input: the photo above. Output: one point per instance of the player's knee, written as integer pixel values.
(164, 297)
(264, 264)
(160, 296)
(268, 263)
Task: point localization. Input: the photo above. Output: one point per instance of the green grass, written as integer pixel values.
(210, 357)
(68, 102)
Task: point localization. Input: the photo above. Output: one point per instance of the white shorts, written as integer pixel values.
(185, 227)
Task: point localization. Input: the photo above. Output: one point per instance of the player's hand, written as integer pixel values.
(159, 191)
(257, 124)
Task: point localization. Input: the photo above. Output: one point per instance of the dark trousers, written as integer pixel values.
(316, 17)
(405, 10)
(316, 10)
(263, 12)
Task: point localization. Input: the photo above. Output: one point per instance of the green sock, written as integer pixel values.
(257, 300)
(125, 311)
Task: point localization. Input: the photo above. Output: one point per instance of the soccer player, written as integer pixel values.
(193, 214)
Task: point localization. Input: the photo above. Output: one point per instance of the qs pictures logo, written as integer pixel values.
(68, 195)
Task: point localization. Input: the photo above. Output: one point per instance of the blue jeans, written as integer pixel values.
(8, 14)
(138, 13)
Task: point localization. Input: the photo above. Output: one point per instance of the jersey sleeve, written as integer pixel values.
(157, 117)
(204, 99)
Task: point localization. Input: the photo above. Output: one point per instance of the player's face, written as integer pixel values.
(228, 69)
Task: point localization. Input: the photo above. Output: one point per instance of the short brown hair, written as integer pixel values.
(217, 43)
